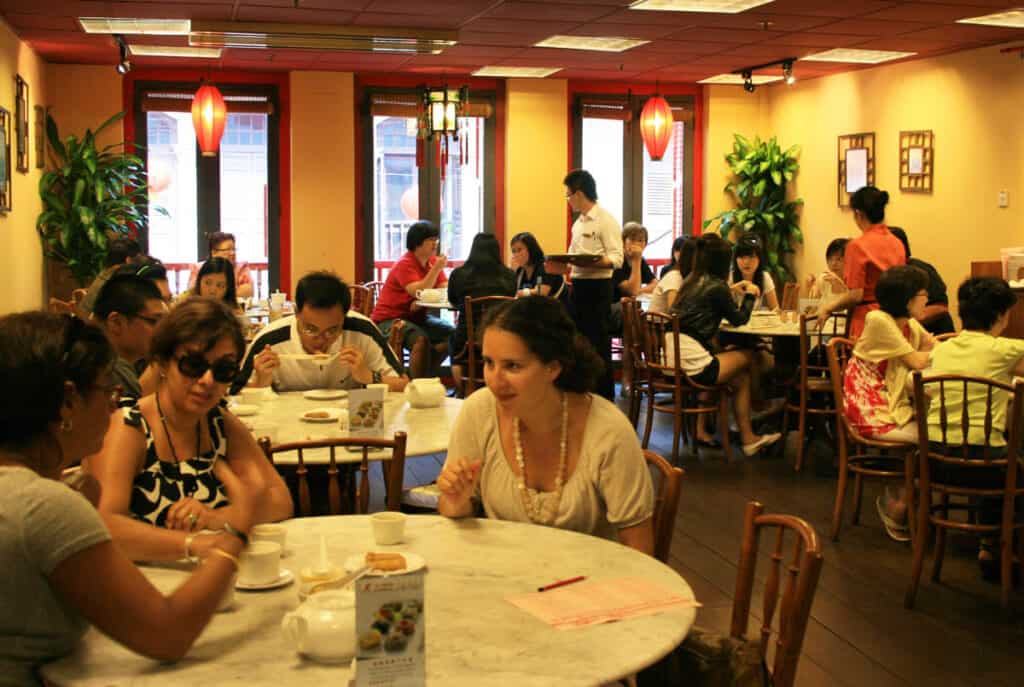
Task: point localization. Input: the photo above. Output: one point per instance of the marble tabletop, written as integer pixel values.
(474, 637)
(434, 305)
(279, 417)
(776, 328)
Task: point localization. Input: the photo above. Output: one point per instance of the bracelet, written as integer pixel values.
(214, 551)
(189, 556)
(228, 528)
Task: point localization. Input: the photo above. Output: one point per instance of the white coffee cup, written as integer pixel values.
(270, 532)
(388, 527)
(253, 395)
(259, 563)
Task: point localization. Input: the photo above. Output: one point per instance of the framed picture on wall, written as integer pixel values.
(5, 160)
(40, 134)
(917, 161)
(856, 163)
(856, 169)
(21, 122)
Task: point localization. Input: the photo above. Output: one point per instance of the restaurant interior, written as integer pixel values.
(324, 166)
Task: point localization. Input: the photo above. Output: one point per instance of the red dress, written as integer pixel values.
(867, 256)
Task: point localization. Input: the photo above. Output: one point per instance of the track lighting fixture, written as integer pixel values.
(747, 73)
(787, 72)
(124, 66)
(748, 81)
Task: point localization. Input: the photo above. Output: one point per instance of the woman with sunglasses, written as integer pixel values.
(160, 466)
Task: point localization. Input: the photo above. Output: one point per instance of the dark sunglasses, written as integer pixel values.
(195, 365)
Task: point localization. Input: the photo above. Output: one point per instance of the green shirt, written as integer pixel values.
(979, 355)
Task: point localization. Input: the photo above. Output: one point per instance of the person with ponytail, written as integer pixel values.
(519, 442)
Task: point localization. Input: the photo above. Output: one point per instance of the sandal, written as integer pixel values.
(896, 531)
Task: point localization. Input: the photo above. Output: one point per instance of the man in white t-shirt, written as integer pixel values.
(322, 346)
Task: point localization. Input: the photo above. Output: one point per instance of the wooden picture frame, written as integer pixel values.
(21, 122)
(40, 134)
(5, 163)
(856, 163)
(917, 161)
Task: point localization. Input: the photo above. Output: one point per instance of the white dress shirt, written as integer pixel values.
(596, 232)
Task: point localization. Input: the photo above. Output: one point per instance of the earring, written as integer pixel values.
(65, 425)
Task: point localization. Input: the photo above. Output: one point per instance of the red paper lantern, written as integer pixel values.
(209, 115)
(656, 126)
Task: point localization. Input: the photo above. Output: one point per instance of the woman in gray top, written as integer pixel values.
(61, 570)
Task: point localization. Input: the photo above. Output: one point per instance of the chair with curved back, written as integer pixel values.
(362, 299)
(633, 376)
(863, 464)
(375, 288)
(666, 503)
(789, 587)
(475, 308)
(395, 337)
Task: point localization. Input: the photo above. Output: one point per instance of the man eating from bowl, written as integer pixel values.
(322, 346)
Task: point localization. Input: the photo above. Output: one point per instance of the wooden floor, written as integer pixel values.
(859, 634)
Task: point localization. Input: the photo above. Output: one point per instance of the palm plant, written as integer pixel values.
(762, 170)
(90, 196)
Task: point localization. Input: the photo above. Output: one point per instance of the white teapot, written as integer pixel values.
(324, 627)
(426, 392)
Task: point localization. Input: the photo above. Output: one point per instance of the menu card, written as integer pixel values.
(591, 603)
(391, 627)
(366, 412)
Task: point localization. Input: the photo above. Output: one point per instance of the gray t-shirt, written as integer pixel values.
(42, 522)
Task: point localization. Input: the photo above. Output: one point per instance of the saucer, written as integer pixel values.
(284, 579)
(325, 394)
(330, 415)
(413, 562)
(244, 409)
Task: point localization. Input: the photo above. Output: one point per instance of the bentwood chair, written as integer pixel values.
(341, 480)
(892, 460)
(375, 288)
(396, 335)
(475, 308)
(633, 377)
(362, 299)
(959, 473)
(666, 503)
(789, 587)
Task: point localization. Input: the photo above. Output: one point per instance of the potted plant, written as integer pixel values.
(762, 170)
(90, 196)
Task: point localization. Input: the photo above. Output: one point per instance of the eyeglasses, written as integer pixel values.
(195, 365)
(313, 332)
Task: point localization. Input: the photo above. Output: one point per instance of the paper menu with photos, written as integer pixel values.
(366, 412)
(594, 602)
(391, 630)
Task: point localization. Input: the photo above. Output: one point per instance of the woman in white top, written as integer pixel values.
(748, 265)
(664, 294)
(535, 445)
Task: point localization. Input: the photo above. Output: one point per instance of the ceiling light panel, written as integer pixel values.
(856, 56)
(598, 43)
(517, 72)
(174, 51)
(316, 37)
(145, 27)
(737, 80)
(722, 6)
(1010, 18)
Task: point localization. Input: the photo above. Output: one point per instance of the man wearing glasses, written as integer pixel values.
(322, 346)
(128, 309)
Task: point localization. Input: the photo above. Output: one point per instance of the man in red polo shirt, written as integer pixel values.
(426, 336)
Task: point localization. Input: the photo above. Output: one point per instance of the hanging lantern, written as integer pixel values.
(656, 126)
(209, 115)
(440, 112)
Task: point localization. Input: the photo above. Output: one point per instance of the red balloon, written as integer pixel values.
(410, 203)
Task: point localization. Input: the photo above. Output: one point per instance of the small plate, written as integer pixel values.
(330, 415)
(283, 580)
(325, 394)
(413, 562)
(244, 409)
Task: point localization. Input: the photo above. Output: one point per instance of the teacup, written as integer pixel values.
(430, 295)
(270, 532)
(388, 527)
(253, 395)
(259, 563)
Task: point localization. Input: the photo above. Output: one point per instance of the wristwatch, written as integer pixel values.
(228, 528)
(376, 376)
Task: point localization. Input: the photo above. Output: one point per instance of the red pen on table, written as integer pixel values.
(561, 583)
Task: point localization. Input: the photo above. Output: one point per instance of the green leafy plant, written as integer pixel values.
(762, 170)
(90, 196)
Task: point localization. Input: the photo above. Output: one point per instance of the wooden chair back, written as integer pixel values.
(632, 356)
(789, 587)
(839, 351)
(790, 296)
(659, 331)
(474, 310)
(362, 299)
(666, 503)
(393, 470)
(375, 289)
(396, 335)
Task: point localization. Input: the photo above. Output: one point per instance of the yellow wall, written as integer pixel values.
(83, 97)
(728, 110)
(323, 173)
(537, 150)
(21, 260)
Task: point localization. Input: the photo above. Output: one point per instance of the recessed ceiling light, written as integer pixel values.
(174, 51)
(150, 27)
(723, 6)
(737, 79)
(517, 72)
(1012, 18)
(600, 43)
(855, 55)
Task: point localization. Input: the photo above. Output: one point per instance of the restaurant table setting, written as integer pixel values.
(436, 299)
(457, 599)
(767, 323)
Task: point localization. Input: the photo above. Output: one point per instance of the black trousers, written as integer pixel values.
(591, 301)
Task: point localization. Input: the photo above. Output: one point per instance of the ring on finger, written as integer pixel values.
(192, 519)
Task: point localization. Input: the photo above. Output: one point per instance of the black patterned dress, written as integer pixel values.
(161, 484)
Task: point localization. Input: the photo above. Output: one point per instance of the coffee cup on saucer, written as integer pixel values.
(259, 563)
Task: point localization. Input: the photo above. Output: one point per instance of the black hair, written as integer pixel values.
(147, 267)
(581, 180)
(322, 290)
(198, 320)
(836, 246)
(484, 253)
(897, 286)
(870, 201)
(533, 248)
(677, 247)
(712, 259)
(749, 244)
(121, 249)
(39, 352)
(219, 266)
(983, 300)
(217, 237)
(549, 333)
(902, 236)
(419, 232)
(126, 294)
(634, 231)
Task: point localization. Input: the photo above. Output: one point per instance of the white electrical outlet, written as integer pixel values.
(1004, 199)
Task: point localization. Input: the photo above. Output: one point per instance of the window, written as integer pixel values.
(632, 186)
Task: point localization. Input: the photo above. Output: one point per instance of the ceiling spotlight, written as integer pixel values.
(124, 66)
(787, 71)
(748, 82)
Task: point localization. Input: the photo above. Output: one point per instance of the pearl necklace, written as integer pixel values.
(535, 509)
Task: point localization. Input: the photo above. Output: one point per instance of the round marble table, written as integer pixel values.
(474, 637)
